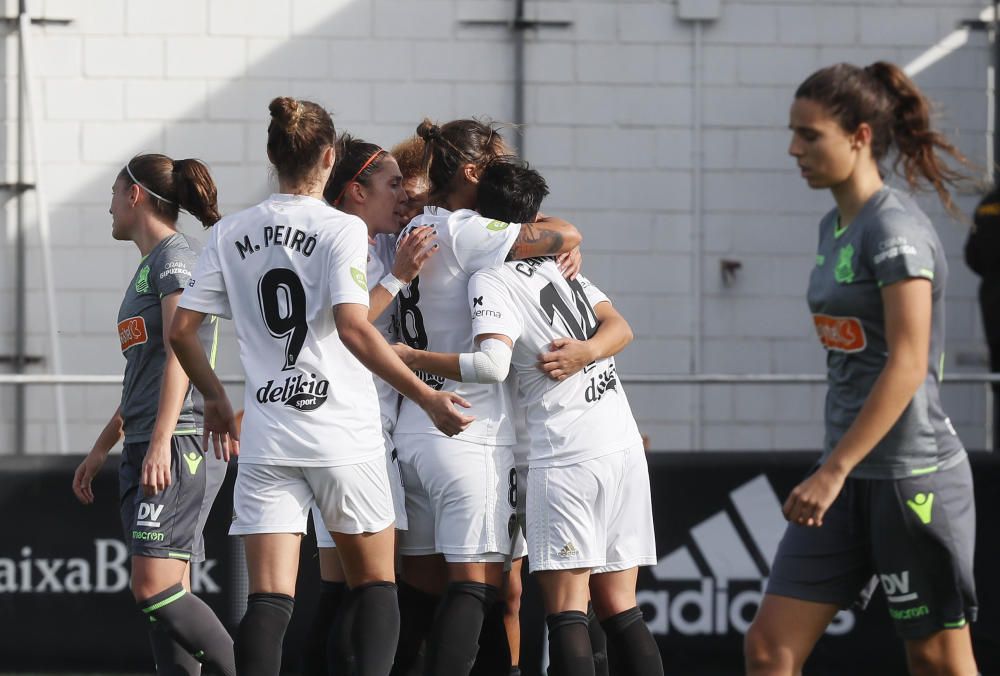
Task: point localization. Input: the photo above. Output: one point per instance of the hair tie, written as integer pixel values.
(364, 166)
(143, 186)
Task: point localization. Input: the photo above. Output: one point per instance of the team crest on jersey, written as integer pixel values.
(844, 272)
(302, 392)
(841, 334)
(142, 281)
(497, 226)
(132, 332)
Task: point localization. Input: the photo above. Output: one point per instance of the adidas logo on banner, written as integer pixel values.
(715, 586)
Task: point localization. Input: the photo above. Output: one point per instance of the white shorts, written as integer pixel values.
(518, 544)
(276, 498)
(595, 514)
(323, 539)
(460, 498)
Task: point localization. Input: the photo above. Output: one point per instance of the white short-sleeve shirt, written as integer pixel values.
(582, 417)
(278, 269)
(433, 316)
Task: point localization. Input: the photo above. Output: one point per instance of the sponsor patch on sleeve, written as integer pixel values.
(497, 226)
(842, 334)
(360, 278)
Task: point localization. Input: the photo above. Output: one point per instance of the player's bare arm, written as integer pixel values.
(173, 389)
(220, 422)
(568, 355)
(908, 334)
(415, 248)
(490, 364)
(91, 465)
(371, 349)
(547, 236)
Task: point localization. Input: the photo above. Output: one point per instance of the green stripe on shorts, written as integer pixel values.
(179, 555)
(924, 470)
(954, 625)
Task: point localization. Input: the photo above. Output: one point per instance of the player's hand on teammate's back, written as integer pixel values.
(84, 476)
(566, 357)
(156, 469)
(412, 251)
(221, 428)
(570, 263)
(440, 406)
(809, 501)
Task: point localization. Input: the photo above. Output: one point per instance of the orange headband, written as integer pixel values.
(364, 166)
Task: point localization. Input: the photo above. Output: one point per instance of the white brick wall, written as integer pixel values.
(609, 113)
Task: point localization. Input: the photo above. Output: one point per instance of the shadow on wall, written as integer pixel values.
(200, 87)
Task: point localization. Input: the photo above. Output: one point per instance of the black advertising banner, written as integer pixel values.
(65, 603)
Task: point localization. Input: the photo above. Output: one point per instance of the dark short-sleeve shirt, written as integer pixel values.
(890, 240)
(165, 270)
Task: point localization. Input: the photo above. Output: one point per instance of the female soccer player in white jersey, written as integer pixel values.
(589, 514)
(367, 183)
(291, 273)
(892, 492)
(167, 481)
(459, 491)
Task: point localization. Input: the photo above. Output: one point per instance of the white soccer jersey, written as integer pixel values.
(582, 417)
(432, 316)
(278, 269)
(381, 256)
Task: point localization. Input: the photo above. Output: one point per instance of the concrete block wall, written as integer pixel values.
(610, 110)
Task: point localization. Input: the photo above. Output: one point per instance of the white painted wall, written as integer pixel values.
(609, 122)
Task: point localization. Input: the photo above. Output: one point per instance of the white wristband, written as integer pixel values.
(392, 284)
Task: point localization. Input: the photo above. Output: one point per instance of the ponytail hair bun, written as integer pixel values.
(298, 134)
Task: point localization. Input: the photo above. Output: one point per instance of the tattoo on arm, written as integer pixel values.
(535, 240)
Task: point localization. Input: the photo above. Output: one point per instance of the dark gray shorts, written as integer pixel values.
(915, 536)
(169, 525)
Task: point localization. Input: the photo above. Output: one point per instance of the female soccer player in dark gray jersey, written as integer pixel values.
(167, 481)
(891, 499)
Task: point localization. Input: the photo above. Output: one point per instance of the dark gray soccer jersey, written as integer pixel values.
(889, 241)
(165, 270)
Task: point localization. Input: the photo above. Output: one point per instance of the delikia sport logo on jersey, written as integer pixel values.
(303, 392)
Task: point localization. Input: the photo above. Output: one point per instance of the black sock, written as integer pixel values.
(331, 597)
(569, 644)
(261, 633)
(416, 615)
(171, 658)
(494, 648)
(194, 626)
(454, 639)
(598, 642)
(340, 641)
(632, 650)
(374, 628)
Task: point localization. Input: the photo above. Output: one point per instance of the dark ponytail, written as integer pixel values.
(196, 191)
(357, 160)
(173, 185)
(298, 134)
(885, 98)
(450, 146)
